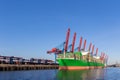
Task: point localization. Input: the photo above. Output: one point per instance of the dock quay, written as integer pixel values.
(14, 67)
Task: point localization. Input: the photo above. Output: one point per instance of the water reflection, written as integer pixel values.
(96, 74)
(28, 75)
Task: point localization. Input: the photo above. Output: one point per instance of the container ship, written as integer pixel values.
(70, 58)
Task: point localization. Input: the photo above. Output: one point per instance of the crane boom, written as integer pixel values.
(80, 44)
(96, 51)
(84, 45)
(73, 42)
(90, 47)
(101, 55)
(67, 39)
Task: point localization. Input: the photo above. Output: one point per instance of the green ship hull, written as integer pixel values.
(72, 62)
(75, 61)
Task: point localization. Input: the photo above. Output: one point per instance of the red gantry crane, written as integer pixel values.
(65, 47)
(56, 50)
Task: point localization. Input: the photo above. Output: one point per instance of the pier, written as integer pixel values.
(12, 63)
(14, 67)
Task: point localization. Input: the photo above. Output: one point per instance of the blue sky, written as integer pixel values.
(28, 28)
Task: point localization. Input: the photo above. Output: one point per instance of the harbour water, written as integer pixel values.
(96, 74)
